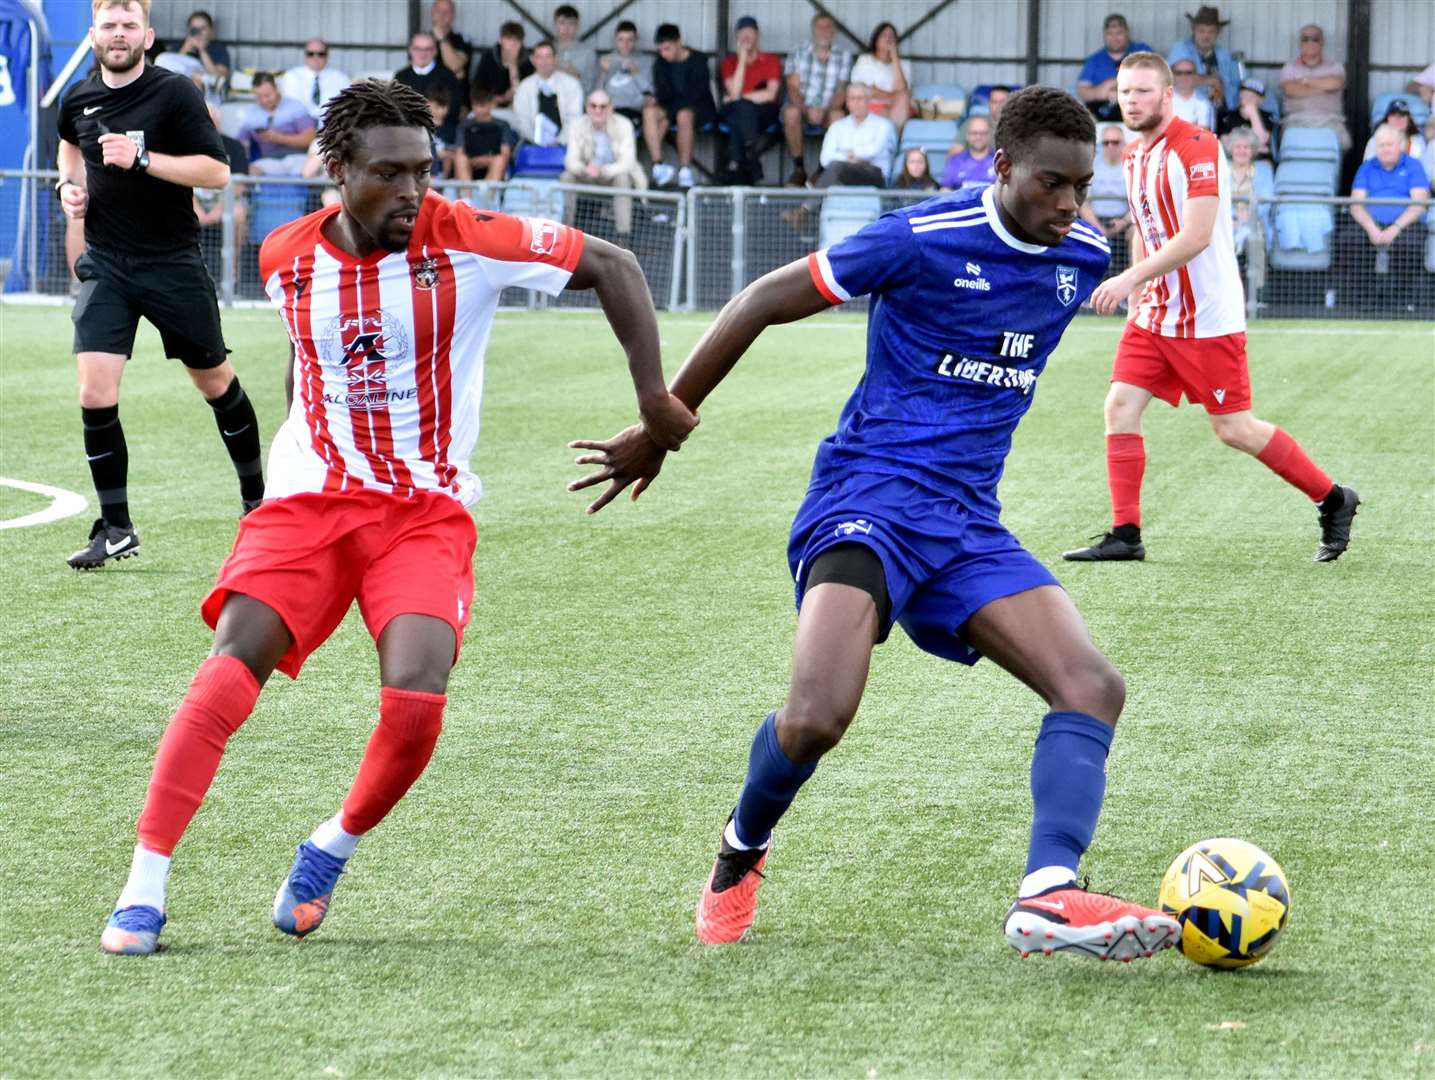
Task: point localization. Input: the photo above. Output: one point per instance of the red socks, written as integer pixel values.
(1284, 457)
(220, 699)
(1125, 465)
(398, 751)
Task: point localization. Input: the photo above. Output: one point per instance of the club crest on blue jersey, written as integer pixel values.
(1066, 284)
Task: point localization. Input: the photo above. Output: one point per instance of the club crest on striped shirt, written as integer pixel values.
(1066, 284)
(426, 274)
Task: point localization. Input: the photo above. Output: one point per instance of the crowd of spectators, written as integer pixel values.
(580, 112)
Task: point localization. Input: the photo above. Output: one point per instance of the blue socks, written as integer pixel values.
(1068, 782)
(772, 783)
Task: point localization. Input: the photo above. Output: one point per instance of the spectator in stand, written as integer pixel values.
(276, 129)
(816, 75)
(682, 97)
(574, 56)
(602, 149)
(313, 82)
(996, 101)
(1106, 204)
(209, 205)
(454, 51)
(547, 102)
(1427, 159)
(1424, 85)
(751, 82)
(500, 69)
(889, 76)
(970, 161)
(1398, 116)
(1218, 73)
(916, 172)
(200, 43)
(858, 149)
(424, 71)
(627, 74)
(1096, 85)
(443, 151)
(1249, 114)
(1187, 102)
(314, 165)
(1311, 88)
(1249, 219)
(1388, 238)
(485, 143)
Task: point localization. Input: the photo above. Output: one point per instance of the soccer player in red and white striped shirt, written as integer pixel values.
(1186, 331)
(388, 299)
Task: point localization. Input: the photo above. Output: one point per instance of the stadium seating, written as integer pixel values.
(533, 197)
(846, 210)
(948, 99)
(542, 161)
(933, 136)
(1318, 145)
(1418, 109)
(274, 204)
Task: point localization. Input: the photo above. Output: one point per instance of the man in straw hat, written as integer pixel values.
(1218, 73)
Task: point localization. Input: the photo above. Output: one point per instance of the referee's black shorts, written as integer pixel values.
(173, 291)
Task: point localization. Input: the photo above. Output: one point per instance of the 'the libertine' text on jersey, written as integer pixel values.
(1204, 298)
(964, 316)
(388, 349)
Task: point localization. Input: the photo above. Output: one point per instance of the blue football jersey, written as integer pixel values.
(963, 318)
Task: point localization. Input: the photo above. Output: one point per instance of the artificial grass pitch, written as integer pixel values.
(527, 910)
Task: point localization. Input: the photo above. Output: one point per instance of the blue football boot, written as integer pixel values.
(303, 899)
(133, 931)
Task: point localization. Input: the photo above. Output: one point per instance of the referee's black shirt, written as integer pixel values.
(131, 211)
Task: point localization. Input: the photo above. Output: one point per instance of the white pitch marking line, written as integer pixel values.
(63, 504)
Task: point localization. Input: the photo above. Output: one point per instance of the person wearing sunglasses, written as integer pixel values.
(313, 82)
(1106, 205)
(1188, 103)
(1312, 86)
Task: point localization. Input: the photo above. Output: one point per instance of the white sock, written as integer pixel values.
(149, 870)
(730, 835)
(1048, 877)
(331, 838)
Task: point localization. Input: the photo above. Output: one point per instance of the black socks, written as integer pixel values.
(109, 463)
(239, 428)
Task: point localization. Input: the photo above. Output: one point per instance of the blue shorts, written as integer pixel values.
(942, 565)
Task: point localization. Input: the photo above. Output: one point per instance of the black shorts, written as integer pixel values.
(173, 291)
(704, 111)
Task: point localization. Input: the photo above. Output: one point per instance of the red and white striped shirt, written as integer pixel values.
(388, 349)
(1204, 298)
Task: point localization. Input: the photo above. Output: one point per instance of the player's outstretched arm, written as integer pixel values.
(614, 274)
(1198, 217)
(630, 457)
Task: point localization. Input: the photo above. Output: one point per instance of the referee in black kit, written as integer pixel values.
(135, 141)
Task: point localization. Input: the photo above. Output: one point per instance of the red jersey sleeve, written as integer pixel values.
(516, 251)
(1198, 151)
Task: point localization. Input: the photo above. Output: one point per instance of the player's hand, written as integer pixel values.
(1111, 292)
(118, 150)
(74, 200)
(629, 457)
(667, 421)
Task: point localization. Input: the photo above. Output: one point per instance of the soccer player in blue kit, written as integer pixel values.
(971, 292)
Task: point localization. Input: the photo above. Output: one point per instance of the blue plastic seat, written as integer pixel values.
(1418, 109)
(1309, 144)
(845, 210)
(1308, 176)
(532, 197)
(272, 205)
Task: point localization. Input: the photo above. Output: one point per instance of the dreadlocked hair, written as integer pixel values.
(1042, 110)
(366, 104)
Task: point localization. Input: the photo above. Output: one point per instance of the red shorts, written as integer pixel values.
(1209, 371)
(310, 556)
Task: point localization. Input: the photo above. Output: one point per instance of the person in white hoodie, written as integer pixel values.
(548, 102)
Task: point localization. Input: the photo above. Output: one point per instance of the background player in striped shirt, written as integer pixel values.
(1186, 331)
(388, 299)
(971, 293)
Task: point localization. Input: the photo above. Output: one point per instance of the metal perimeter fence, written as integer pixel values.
(1301, 255)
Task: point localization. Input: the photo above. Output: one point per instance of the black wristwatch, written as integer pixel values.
(141, 162)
